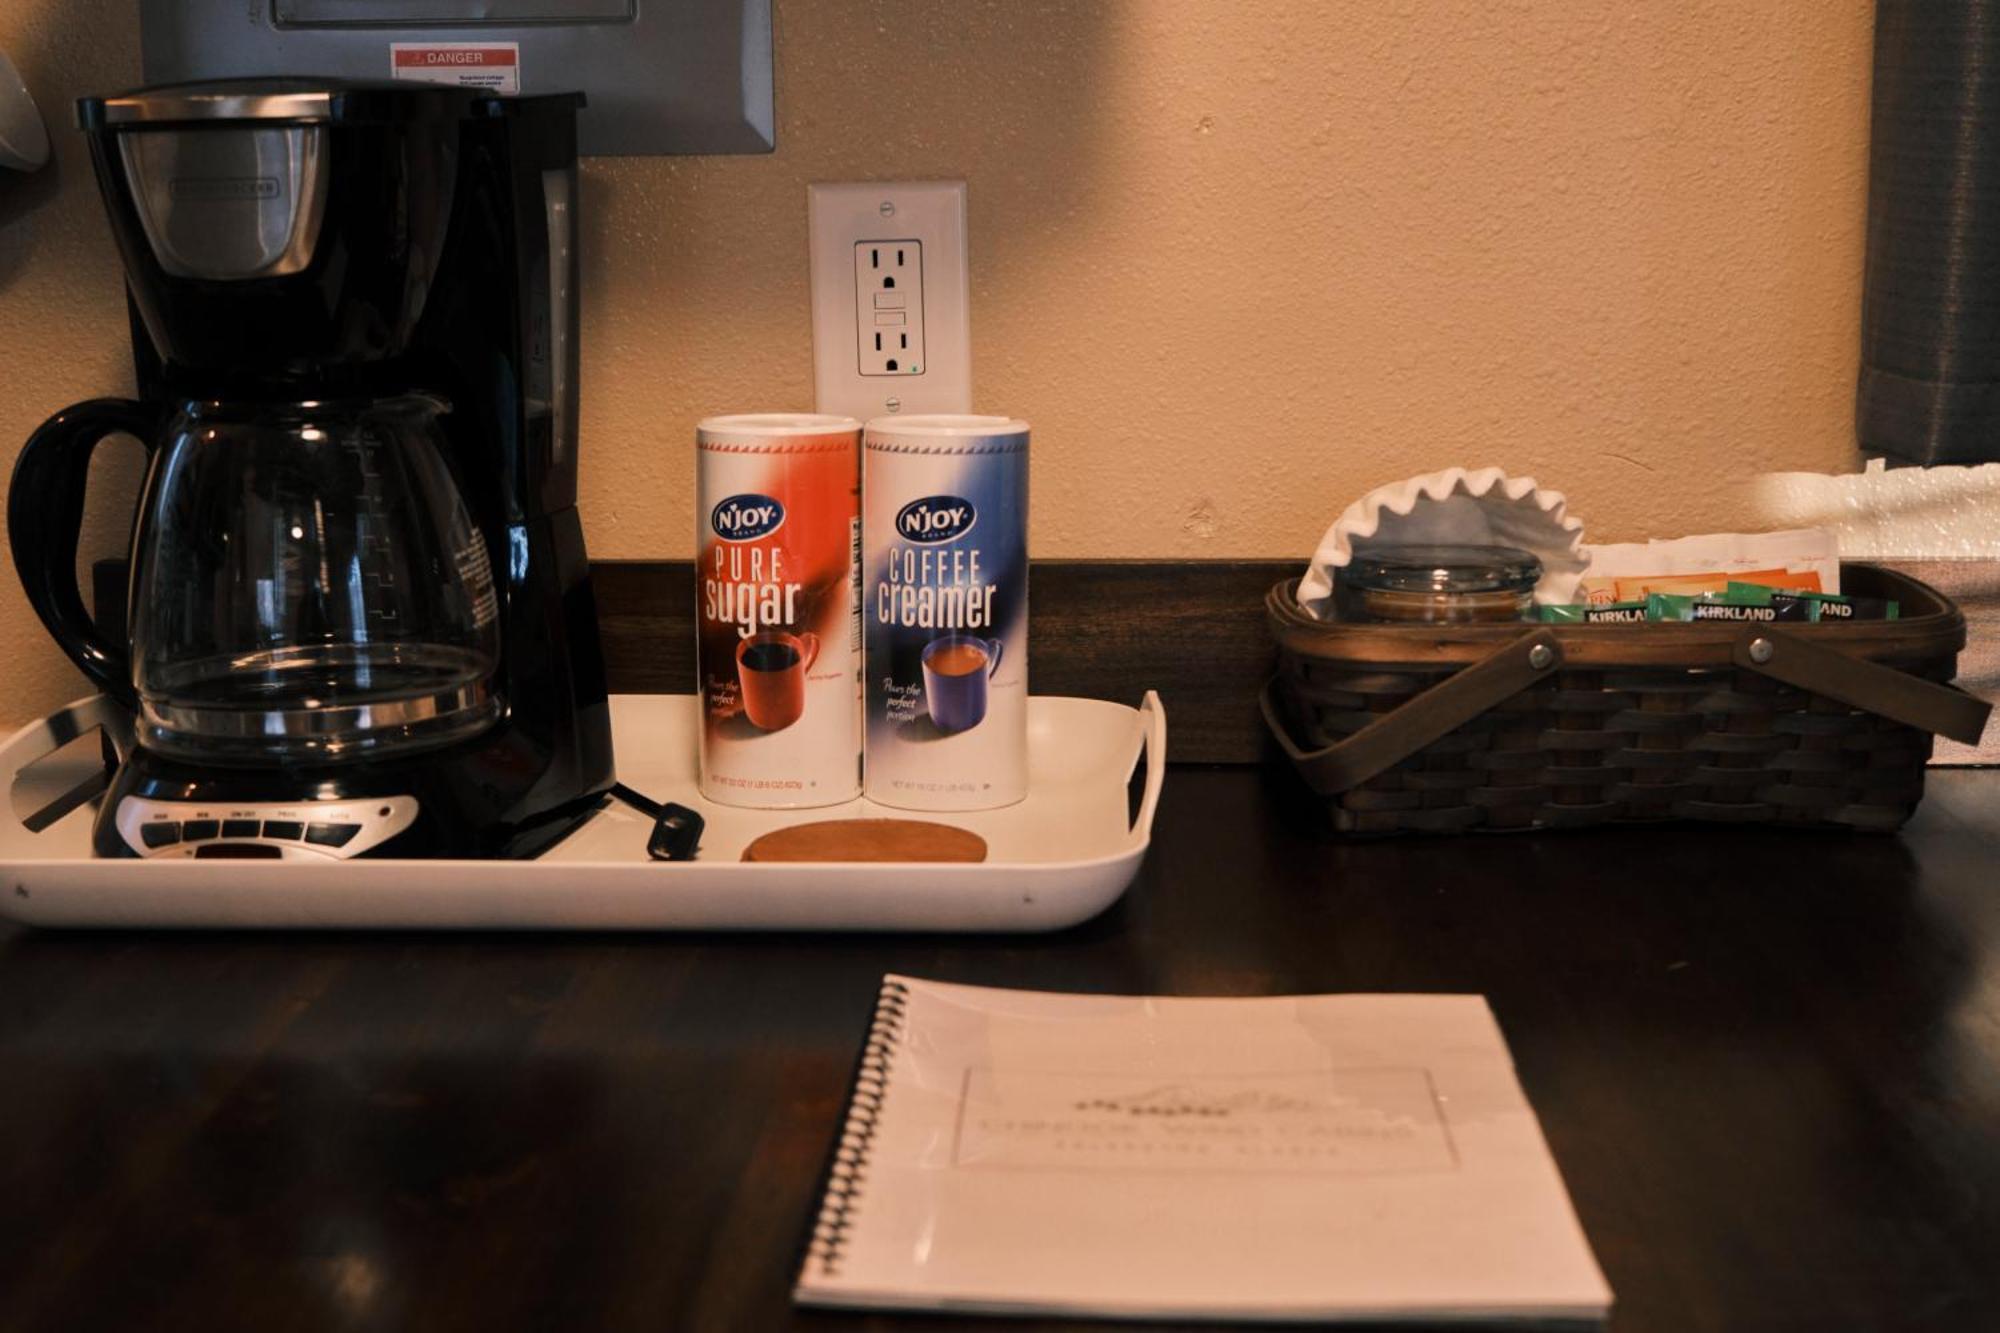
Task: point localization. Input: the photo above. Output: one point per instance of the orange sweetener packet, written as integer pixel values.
(1639, 587)
(1800, 560)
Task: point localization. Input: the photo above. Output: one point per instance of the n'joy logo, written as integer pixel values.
(935, 518)
(745, 518)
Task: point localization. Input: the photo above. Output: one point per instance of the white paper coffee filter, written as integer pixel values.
(1459, 506)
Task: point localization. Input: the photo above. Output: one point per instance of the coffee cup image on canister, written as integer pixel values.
(772, 668)
(956, 669)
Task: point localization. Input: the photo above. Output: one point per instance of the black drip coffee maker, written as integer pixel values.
(360, 617)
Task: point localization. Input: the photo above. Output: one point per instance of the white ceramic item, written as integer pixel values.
(24, 139)
(1459, 506)
(1057, 858)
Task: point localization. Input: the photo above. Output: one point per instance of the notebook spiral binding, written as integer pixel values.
(849, 1169)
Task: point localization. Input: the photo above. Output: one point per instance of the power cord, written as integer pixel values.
(676, 829)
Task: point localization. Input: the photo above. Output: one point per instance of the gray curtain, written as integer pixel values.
(1930, 314)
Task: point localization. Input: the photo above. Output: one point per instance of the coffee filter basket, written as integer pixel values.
(1456, 507)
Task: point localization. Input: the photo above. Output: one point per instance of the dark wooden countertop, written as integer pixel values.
(1768, 1065)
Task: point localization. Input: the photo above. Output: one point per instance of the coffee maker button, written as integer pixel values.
(332, 835)
(287, 829)
(159, 835)
(239, 828)
(197, 829)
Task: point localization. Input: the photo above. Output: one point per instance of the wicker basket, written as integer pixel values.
(1413, 729)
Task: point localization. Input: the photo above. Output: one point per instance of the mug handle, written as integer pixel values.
(45, 518)
(994, 646)
(810, 642)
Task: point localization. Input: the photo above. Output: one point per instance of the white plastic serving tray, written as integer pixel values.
(1061, 856)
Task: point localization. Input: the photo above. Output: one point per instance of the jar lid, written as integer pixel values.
(1443, 569)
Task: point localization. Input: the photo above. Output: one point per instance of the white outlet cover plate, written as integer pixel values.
(842, 216)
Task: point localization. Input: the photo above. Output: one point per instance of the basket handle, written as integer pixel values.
(1409, 727)
(1942, 710)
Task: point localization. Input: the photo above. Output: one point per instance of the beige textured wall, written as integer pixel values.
(1237, 262)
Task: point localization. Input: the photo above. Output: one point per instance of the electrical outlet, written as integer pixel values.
(889, 294)
(891, 299)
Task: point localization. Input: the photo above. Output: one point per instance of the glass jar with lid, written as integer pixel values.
(1438, 585)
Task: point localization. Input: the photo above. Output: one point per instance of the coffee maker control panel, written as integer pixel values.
(294, 831)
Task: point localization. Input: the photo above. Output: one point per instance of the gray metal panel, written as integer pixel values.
(456, 13)
(680, 76)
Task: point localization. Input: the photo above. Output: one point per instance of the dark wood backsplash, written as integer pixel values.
(1112, 629)
(1100, 629)
(1191, 629)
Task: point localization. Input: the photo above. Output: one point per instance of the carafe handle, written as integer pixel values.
(45, 519)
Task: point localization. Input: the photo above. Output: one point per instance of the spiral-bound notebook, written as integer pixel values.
(1308, 1157)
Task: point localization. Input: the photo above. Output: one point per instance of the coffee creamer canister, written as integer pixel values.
(777, 539)
(944, 599)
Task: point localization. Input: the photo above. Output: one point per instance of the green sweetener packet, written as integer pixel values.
(1616, 613)
(1584, 613)
(1669, 606)
(1719, 608)
(1835, 606)
(1746, 602)
(1817, 606)
(1715, 606)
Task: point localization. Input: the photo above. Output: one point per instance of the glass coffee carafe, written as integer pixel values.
(307, 585)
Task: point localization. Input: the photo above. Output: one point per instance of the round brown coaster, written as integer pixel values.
(868, 840)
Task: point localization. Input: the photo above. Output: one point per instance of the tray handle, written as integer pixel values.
(1942, 710)
(38, 740)
(1152, 747)
(1408, 728)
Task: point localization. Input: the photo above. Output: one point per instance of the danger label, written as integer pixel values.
(494, 66)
